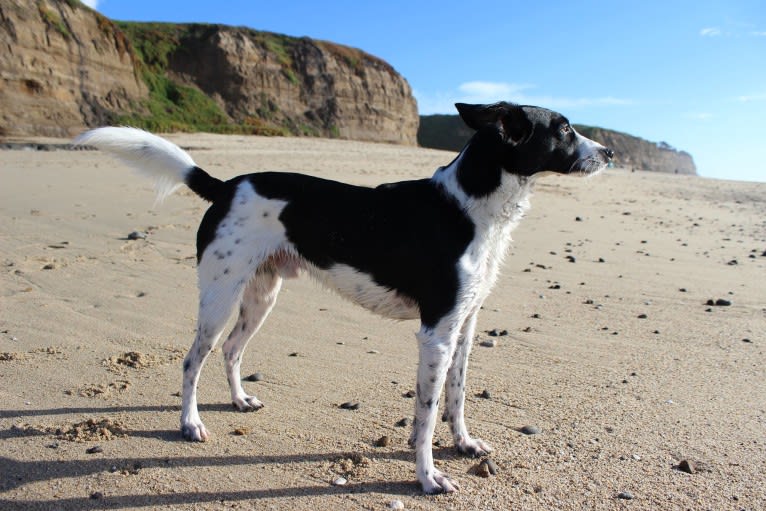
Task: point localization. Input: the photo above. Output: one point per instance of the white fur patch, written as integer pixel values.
(359, 287)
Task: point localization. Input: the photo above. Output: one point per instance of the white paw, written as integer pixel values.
(438, 482)
(472, 446)
(194, 431)
(247, 403)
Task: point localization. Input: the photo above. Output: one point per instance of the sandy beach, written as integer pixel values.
(645, 396)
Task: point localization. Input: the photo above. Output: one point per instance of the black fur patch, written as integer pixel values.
(407, 236)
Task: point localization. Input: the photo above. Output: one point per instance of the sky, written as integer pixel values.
(688, 73)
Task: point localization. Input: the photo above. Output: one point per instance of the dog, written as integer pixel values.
(427, 249)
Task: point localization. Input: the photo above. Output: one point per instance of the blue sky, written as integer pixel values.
(689, 73)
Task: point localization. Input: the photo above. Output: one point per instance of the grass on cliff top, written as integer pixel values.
(174, 106)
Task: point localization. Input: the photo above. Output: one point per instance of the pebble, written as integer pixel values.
(403, 423)
(257, 376)
(293, 354)
(409, 394)
(497, 333)
(350, 405)
(485, 394)
(578, 219)
(396, 504)
(482, 470)
(686, 466)
(96, 495)
(242, 431)
(488, 343)
(339, 481)
(137, 235)
(530, 430)
(383, 441)
(642, 316)
(601, 260)
(490, 465)
(720, 302)
(94, 450)
(625, 495)
(571, 259)
(747, 340)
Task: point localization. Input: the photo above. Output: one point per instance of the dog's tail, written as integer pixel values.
(166, 163)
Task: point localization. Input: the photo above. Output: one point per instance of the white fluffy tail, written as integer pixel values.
(163, 161)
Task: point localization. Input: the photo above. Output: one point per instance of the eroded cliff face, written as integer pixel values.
(310, 87)
(62, 67)
(639, 154)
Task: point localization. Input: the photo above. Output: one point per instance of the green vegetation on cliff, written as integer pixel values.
(176, 106)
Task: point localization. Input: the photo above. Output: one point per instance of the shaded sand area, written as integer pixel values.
(611, 350)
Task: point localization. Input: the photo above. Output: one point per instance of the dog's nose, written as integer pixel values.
(608, 152)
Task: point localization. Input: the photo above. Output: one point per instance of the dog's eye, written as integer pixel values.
(565, 129)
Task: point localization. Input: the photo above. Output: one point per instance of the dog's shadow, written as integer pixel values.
(15, 473)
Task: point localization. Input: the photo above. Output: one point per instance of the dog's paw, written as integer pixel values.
(438, 482)
(247, 404)
(474, 447)
(194, 432)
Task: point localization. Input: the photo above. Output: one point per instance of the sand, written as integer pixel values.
(611, 351)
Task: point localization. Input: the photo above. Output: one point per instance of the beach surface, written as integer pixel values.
(645, 396)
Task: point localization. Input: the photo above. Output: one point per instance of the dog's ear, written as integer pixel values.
(509, 117)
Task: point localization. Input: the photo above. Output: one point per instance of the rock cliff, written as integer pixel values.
(450, 133)
(62, 67)
(65, 66)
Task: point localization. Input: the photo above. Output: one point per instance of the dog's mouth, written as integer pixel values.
(588, 165)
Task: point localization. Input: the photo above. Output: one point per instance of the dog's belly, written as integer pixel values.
(361, 289)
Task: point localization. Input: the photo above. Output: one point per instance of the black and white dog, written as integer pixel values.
(427, 249)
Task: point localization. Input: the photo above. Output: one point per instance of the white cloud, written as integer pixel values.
(752, 97)
(710, 32)
(93, 4)
(758, 33)
(491, 92)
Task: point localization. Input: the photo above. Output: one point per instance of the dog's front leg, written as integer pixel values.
(435, 352)
(455, 394)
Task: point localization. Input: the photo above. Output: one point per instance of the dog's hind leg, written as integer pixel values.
(455, 393)
(220, 291)
(257, 301)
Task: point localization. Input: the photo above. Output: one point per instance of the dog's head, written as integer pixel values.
(527, 140)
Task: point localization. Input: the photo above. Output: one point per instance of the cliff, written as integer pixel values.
(450, 133)
(66, 67)
(62, 67)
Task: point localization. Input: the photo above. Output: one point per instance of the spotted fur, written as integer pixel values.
(428, 249)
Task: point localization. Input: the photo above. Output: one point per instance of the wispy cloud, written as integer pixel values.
(710, 32)
(93, 4)
(750, 98)
(758, 33)
(491, 92)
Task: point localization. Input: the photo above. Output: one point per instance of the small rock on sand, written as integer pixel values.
(530, 430)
